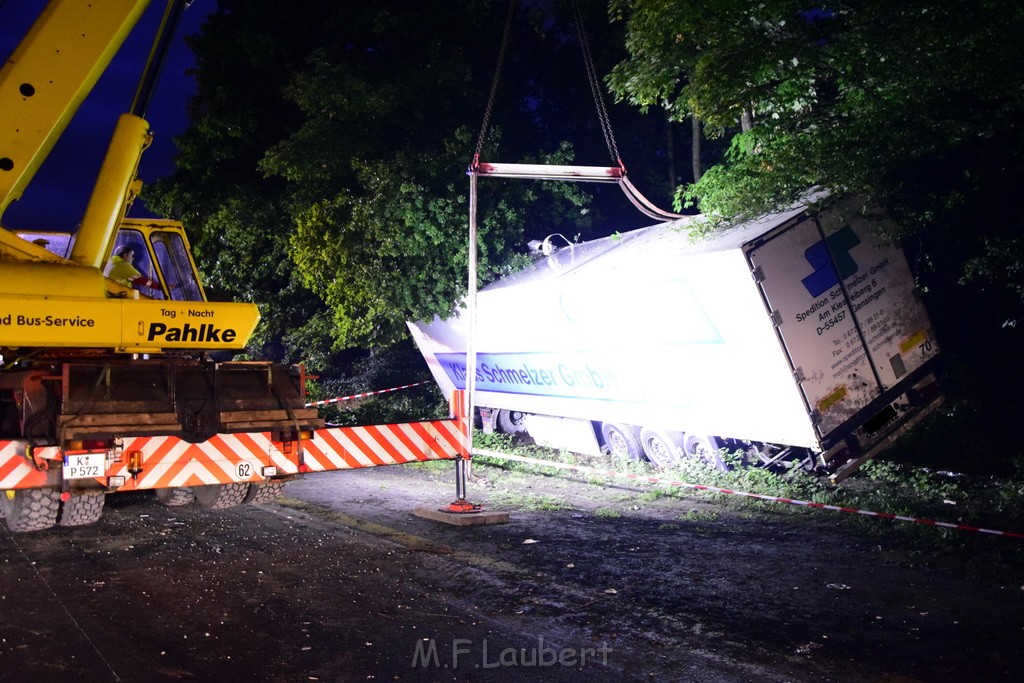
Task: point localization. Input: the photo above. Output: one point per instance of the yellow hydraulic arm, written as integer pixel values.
(49, 75)
(49, 302)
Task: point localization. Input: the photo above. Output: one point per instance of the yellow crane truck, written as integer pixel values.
(111, 382)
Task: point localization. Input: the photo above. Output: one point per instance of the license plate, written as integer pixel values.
(85, 465)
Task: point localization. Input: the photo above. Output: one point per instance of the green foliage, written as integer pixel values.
(919, 480)
(917, 103)
(382, 368)
(322, 176)
(395, 248)
(1001, 263)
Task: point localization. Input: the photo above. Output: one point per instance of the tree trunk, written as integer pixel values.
(695, 146)
(670, 144)
(746, 121)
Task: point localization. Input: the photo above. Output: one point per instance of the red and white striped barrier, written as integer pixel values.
(363, 395)
(758, 496)
(168, 461)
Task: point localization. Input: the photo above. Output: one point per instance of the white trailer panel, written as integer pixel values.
(649, 328)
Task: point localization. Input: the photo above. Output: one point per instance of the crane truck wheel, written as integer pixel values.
(707, 449)
(260, 494)
(176, 497)
(84, 507)
(221, 496)
(663, 447)
(30, 509)
(623, 440)
(512, 421)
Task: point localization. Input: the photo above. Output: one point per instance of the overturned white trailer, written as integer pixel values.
(799, 332)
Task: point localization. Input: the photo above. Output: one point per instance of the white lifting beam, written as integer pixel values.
(592, 174)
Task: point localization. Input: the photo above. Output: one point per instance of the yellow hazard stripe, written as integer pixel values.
(832, 399)
(913, 340)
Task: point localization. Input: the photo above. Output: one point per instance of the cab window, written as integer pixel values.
(176, 266)
(141, 260)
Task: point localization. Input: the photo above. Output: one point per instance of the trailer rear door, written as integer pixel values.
(846, 310)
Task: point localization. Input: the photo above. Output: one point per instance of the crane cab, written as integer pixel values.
(162, 253)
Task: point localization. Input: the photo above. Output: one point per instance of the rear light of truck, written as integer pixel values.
(289, 436)
(87, 445)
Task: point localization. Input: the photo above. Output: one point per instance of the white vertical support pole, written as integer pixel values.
(461, 465)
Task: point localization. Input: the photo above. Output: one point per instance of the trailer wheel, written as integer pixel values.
(623, 441)
(707, 449)
(221, 496)
(30, 509)
(512, 421)
(663, 447)
(176, 497)
(84, 507)
(260, 494)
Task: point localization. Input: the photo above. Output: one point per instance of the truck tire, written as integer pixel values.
(623, 440)
(84, 507)
(30, 509)
(707, 449)
(261, 494)
(221, 496)
(663, 447)
(176, 497)
(512, 421)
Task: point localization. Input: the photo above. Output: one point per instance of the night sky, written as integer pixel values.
(56, 197)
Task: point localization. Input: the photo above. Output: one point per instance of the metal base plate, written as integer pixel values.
(482, 517)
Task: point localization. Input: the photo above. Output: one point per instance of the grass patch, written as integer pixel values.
(520, 500)
(654, 494)
(699, 516)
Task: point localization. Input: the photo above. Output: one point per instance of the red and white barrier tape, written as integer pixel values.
(363, 395)
(714, 489)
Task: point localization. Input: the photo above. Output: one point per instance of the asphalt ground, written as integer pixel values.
(338, 581)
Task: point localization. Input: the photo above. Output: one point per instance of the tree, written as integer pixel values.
(237, 217)
(323, 175)
(916, 103)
